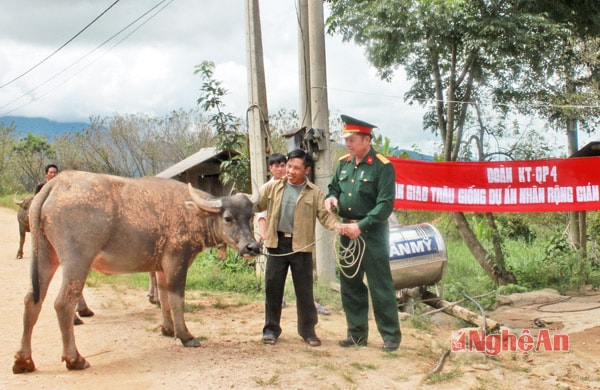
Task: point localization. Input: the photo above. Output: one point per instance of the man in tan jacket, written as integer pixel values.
(293, 204)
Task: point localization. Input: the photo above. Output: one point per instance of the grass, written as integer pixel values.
(269, 382)
(7, 200)
(363, 366)
(443, 377)
(206, 273)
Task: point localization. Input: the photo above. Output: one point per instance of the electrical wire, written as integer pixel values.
(61, 47)
(433, 102)
(28, 93)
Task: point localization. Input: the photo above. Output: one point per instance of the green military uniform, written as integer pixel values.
(366, 194)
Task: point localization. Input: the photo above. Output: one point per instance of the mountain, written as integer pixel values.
(41, 126)
(412, 155)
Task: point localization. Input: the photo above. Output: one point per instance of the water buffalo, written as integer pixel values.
(23, 218)
(83, 221)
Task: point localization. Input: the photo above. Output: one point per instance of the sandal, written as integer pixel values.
(313, 341)
(269, 339)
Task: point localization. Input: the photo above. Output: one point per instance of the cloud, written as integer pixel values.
(151, 70)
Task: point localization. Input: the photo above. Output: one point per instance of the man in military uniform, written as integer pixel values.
(362, 191)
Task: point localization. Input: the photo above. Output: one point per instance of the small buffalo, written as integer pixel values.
(111, 224)
(23, 218)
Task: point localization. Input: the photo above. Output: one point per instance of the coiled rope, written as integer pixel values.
(351, 256)
(346, 257)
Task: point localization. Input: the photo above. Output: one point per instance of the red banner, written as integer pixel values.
(510, 186)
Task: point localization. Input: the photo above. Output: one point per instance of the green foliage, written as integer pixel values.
(236, 171)
(383, 145)
(464, 275)
(207, 273)
(137, 280)
(233, 274)
(134, 145)
(549, 264)
(515, 226)
(443, 377)
(31, 155)
(508, 289)
(9, 176)
(420, 322)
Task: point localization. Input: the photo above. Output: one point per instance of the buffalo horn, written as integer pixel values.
(18, 202)
(211, 206)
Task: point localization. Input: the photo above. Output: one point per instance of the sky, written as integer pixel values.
(139, 57)
(47, 70)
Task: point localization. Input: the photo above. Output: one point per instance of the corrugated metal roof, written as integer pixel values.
(592, 149)
(197, 158)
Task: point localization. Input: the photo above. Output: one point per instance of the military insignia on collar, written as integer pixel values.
(370, 160)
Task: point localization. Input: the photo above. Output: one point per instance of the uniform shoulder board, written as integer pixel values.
(382, 158)
(344, 157)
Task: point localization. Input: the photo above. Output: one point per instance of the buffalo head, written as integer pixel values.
(234, 224)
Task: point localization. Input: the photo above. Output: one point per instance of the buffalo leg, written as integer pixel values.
(83, 309)
(176, 277)
(23, 359)
(21, 243)
(152, 288)
(65, 305)
(166, 325)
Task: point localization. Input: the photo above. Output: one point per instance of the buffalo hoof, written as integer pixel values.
(77, 320)
(152, 299)
(194, 342)
(23, 364)
(19, 255)
(85, 312)
(167, 332)
(79, 363)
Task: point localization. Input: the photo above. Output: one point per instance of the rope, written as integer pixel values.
(351, 256)
(347, 257)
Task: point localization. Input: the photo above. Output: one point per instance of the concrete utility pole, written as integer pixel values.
(258, 113)
(304, 65)
(319, 111)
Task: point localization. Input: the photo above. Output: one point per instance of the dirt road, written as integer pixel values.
(125, 349)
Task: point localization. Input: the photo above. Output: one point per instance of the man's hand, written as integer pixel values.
(331, 205)
(349, 229)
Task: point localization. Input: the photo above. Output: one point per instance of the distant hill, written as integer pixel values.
(42, 126)
(413, 155)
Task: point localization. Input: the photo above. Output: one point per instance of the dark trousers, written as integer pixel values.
(355, 294)
(276, 272)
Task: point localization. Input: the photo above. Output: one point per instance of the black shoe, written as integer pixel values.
(390, 346)
(352, 341)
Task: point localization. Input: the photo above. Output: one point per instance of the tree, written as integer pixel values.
(574, 100)
(457, 52)
(8, 168)
(31, 155)
(236, 169)
(135, 145)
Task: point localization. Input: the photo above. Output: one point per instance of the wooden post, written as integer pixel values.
(458, 311)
